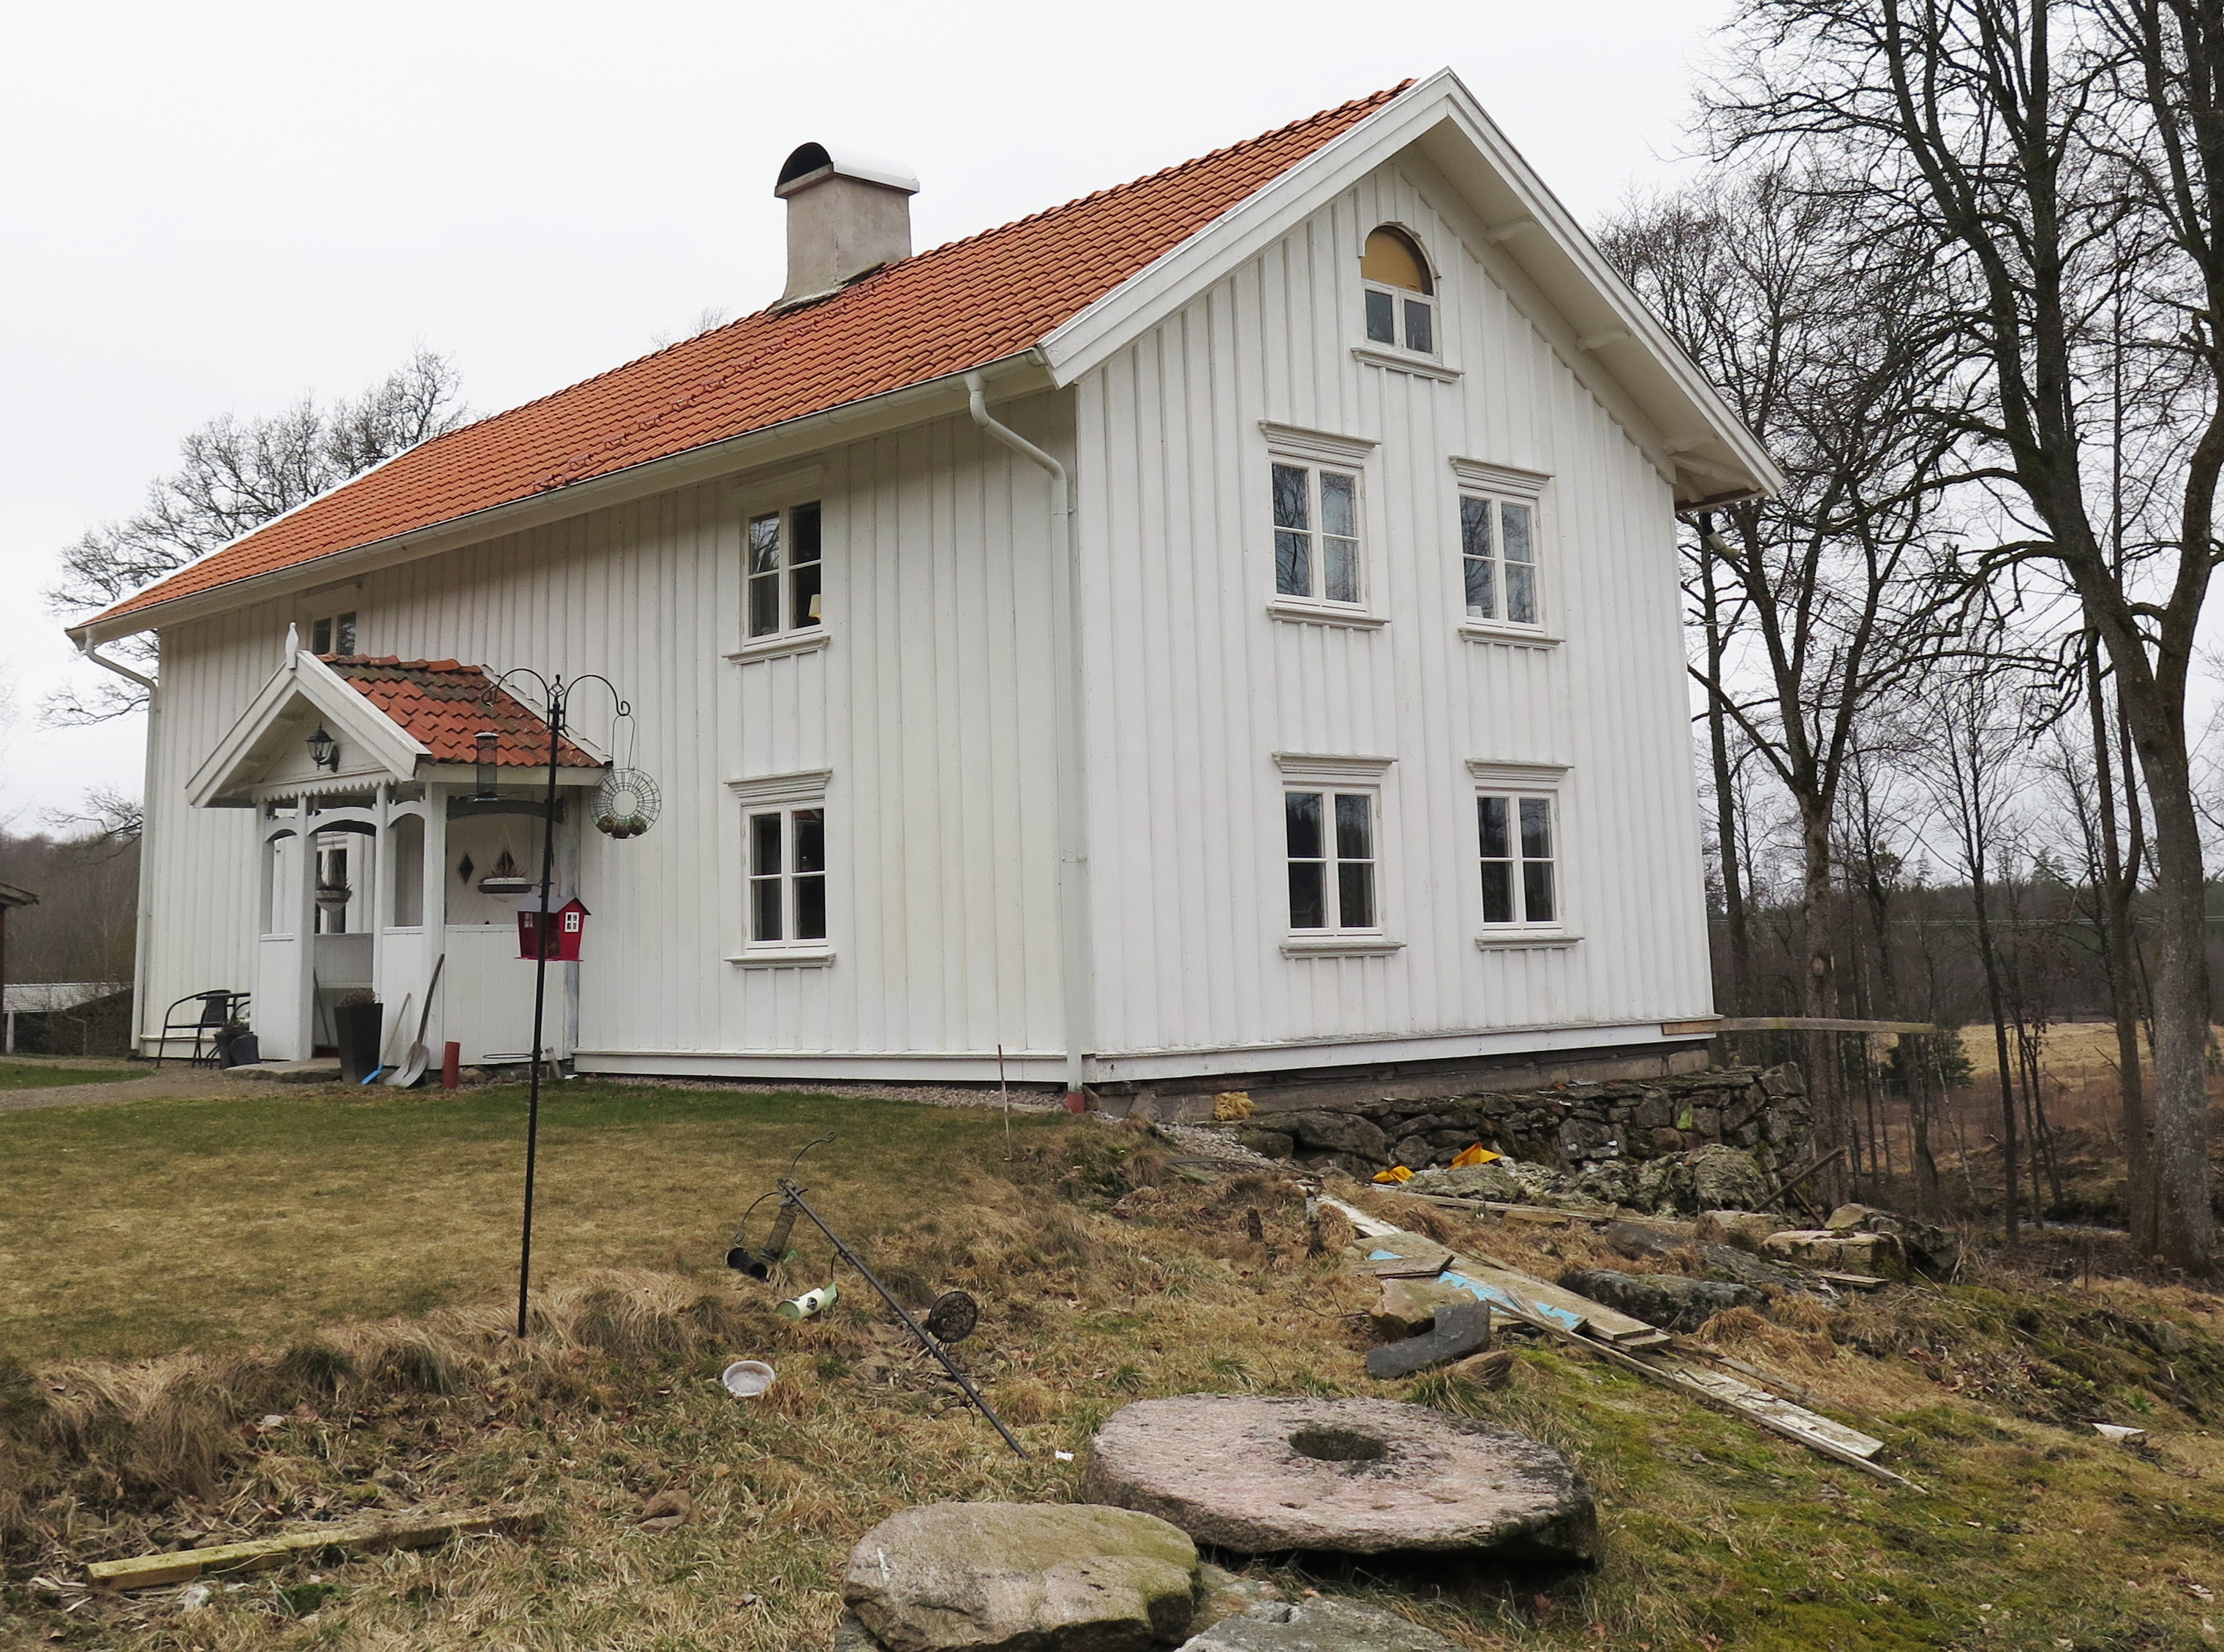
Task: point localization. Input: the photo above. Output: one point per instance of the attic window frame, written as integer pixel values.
(332, 625)
(1402, 303)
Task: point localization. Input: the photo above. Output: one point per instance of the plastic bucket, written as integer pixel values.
(746, 1378)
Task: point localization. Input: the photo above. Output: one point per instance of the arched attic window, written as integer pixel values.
(1401, 304)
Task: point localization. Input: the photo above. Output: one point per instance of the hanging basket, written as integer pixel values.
(329, 895)
(626, 803)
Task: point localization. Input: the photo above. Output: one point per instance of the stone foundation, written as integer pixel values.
(1584, 1129)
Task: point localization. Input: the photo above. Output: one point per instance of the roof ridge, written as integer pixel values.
(713, 381)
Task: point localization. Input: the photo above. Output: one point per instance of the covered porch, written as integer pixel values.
(390, 835)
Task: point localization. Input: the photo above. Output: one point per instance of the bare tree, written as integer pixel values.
(2056, 154)
(1817, 605)
(235, 475)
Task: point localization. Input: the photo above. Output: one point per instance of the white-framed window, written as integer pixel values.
(782, 571)
(1519, 857)
(1316, 501)
(332, 634)
(1500, 551)
(1514, 839)
(1316, 532)
(1400, 296)
(1332, 845)
(785, 871)
(1498, 558)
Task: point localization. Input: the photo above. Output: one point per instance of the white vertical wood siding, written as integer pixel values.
(1193, 686)
(930, 704)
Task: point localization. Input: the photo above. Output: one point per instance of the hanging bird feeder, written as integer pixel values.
(626, 803)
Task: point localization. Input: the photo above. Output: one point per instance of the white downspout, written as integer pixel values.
(1072, 830)
(144, 940)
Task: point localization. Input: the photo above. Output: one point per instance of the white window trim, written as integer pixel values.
(801, 788)
(1294, 445)
(1399, 355)
(1333, 771)
(1399, 360)
(1509, 483)
(351, 607)
(1502, 776)
(780, 495)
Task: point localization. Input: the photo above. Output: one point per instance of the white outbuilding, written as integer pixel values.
(1222, 630)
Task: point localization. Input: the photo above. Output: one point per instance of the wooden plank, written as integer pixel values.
(370, 1535)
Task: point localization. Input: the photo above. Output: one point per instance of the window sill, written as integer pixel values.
(797, 957)
(1425, 367)
(789, 642)
(1514, 636)
(1296, 610)
(1514, 940)
(1340, 946)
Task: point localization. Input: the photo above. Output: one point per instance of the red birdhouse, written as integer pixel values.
(565, 926)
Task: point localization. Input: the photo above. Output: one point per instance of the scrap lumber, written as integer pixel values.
(1525, 1297)
(370, 1535)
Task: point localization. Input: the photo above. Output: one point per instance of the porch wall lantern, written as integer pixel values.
(324, 750)
(484, 790)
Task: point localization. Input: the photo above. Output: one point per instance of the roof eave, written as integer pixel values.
(779, 444)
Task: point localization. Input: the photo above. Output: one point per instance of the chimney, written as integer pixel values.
(847, 215)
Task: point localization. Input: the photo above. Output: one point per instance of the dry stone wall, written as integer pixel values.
(1602, 1133)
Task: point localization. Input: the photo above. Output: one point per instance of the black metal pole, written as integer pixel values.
(791, 1194)
(540, 999)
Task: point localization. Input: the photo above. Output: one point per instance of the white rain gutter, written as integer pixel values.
(142, 943)
(1074, 952)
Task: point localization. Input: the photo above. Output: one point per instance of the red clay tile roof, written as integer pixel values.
(445, 704)
(958, 306)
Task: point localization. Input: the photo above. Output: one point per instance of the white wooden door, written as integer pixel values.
(279, 1012)
(487, 993)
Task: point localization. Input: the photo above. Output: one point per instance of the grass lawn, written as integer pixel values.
(133, 1231)
(1104, 1273)
(16, 1074)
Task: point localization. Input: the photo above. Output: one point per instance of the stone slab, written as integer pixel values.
(1259, 1475)
(286, 1072)
(1461, 1328)
(1318, 1625)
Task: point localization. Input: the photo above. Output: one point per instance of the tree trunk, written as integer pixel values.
(1818, 996)
(2118, 949)
(1718, 744)
(1990, 959)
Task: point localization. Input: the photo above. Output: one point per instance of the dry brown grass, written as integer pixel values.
(1102, 1277)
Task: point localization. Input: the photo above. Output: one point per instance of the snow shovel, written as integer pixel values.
(384, 1065)
(414, 1063)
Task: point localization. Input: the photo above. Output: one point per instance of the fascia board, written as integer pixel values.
(1561, 260)
(781, 444)
(393, 748)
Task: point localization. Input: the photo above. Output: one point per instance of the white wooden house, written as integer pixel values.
(1225, 625)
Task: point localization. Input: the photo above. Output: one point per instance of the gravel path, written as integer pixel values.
(169, 1081)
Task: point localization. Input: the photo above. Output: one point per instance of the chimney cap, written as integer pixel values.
(812, 161)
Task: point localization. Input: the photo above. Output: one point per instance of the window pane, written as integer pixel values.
(1354, 835)
(320, 637)
(1307, 908)
(1342, 583)
(810, 839)
(1339, 504)
(804, 607)
(1521, 593)
(1420, 328)
(1301, 824)
(343, 634)
(1497, 892)
(1518, 542)
(803, 532)
(764, 846)
(1293, 572)
(810, 908)
(1482, 587)
(1290, 497)
(764, 544)
(1355, 888)
(1536, 891)
(1474, 526)
(1491, 813)
(1381, 317)
(764, 903)
(1536, 829)
(764, 605)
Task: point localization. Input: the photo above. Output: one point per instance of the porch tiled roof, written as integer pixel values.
(445, 705)
(958, 306)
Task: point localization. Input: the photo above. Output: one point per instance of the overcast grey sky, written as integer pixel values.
(220, 206)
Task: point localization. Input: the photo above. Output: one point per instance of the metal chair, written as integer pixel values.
(217, 1010)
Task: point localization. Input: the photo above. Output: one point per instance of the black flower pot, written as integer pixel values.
(357, 1026)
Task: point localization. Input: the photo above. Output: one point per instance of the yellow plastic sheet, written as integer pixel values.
(1395, 1173)
(1477, 1154)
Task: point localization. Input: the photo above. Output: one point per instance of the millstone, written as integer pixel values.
(1259, 1475)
